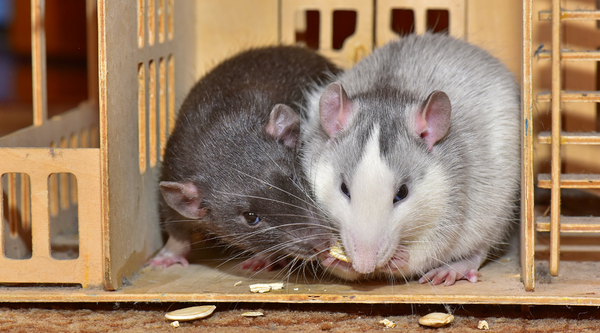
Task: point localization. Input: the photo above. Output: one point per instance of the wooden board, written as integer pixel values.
(208, 282)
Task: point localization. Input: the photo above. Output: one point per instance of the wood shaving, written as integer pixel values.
(252, 314)
(436, 319)
(175, 324)
(260, 288)
(276, 285)
(388, 323)
(237, 283)
(483, 325)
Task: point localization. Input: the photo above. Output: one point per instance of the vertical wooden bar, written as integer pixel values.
(40, 228)
(25, 202)
(92, 50)
(13, 207)
(527, 203)
(152, 132)
(162, 104)
(556, 127)
(38, 62)
(171, 92)
(142, 117)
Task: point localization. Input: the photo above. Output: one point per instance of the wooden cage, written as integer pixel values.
(79, 190)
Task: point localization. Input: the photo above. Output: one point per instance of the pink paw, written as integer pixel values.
(259, 262)
(167, 260)
(173, 252)
(450, 275)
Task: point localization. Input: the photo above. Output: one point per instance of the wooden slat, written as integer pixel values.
(591, 138)
(39, 163)
(572, 96)
(38, 62)
(571, 15)
(571, 224)
(527, 181)
(555, 150)
(571, 55)
(571, 180)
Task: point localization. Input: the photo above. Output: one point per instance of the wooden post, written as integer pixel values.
(556, 128)
(527, 202)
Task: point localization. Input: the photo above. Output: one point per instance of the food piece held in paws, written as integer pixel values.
(337, 252)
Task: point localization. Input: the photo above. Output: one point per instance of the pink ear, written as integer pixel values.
(284, 125)
(335, 109)
(184, 198)
(433, 119)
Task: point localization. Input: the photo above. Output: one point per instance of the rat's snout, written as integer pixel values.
(362, 254)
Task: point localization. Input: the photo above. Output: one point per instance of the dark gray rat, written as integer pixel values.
(231, 168)
(414, 154)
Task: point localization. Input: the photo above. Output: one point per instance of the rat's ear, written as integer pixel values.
(284, 125)
(432, 121)
(335, 109)
(184, 198)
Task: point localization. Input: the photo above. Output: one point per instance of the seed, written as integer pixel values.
(388, 323)
(436, 319)
(195, 312)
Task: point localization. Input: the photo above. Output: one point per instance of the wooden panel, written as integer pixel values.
(496, 26)
(355, 47)
(39, 163)
(84, 117)
(226, 27)
(457, 10)
(130, 214)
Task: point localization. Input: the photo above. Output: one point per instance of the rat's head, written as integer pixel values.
(255, 197)
(377, 177)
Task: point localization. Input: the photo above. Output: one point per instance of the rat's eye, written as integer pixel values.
(251, 218)
(401, 194)
(345, 190)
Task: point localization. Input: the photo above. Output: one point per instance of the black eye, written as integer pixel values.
(401, 194)
(251, 218)
(345, 190)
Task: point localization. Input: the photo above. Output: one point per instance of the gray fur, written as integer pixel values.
(227, 157)
(479, 158)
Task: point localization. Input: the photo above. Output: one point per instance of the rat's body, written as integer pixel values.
(230, 167)
(414, 154)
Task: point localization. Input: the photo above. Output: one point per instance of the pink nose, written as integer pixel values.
(364, 260)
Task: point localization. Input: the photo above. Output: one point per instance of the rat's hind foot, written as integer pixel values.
(173, 252)
(466, 269)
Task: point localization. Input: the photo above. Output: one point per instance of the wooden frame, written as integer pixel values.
(144, 70)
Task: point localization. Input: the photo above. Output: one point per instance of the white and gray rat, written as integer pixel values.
(231, 168)
(414, 155)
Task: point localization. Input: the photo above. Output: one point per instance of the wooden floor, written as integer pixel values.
(578, 284)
